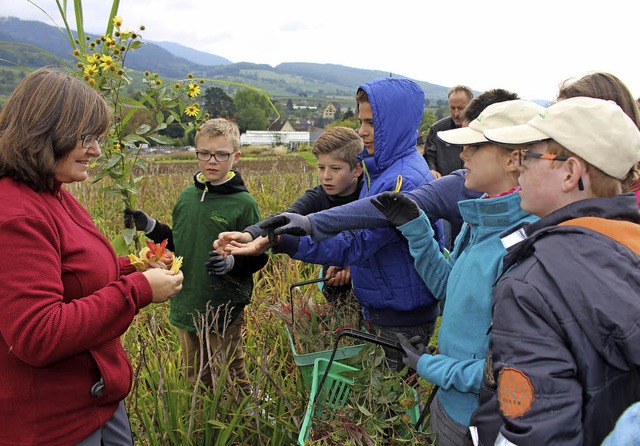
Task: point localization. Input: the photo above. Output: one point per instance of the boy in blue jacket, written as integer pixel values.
(340, 178)
(392, 295)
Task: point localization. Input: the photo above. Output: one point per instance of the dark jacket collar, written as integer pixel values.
(233, 185)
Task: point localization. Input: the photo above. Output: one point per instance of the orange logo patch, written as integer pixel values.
(515, 392)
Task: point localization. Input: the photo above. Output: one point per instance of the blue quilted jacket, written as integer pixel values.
(385, 280)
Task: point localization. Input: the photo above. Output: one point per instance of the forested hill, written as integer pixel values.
(173, 60)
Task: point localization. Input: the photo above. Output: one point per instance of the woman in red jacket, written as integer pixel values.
(66, 298)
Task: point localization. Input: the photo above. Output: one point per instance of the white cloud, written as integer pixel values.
(527, 47)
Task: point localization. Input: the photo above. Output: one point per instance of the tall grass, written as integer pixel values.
(164, 408)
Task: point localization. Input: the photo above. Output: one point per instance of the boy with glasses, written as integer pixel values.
(209, 303)
(564, 359)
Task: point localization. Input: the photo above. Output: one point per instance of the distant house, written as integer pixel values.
(304, 107)
(330, 110)
(304, 125)
(292, 140)
(281, 125)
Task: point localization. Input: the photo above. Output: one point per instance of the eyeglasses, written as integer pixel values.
(220, 157)
(522, 154)
(89, 140)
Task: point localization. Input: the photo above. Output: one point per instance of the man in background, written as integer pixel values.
(443, 158)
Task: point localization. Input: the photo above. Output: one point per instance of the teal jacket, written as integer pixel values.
(466, 281)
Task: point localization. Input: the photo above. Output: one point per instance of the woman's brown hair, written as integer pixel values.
(43, 120)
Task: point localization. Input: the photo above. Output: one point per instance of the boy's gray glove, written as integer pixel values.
(413, 349)
(286, 223)
(219, 265)
(396, 207)
(138, 218)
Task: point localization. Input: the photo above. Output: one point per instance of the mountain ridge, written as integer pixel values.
(173, 60)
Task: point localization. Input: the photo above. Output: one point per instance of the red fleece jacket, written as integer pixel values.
(65, 300)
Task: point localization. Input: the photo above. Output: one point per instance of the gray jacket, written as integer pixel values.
(564, 358)
(442, 156)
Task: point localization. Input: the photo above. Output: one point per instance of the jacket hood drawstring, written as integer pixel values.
(206, 186)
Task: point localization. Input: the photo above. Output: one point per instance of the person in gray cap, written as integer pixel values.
(564, 358)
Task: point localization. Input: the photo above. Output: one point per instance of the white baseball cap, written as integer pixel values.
(596, 130)
(500, 114)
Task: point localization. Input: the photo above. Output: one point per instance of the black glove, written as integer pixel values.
(286, 223)
(396, 207)
(413, 350)
(141, 220)
(219, 265)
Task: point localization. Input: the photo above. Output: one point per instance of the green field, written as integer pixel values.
(165, 410)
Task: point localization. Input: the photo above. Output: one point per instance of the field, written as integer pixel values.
(165, 410)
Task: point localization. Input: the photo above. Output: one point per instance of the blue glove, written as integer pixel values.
(286, 223)
(396, 207)
(413, 350)
(218, 265)
(141, 220)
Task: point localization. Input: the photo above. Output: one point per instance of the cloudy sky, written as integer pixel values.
(524, 46)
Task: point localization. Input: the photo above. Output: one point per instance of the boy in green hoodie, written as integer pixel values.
(216, 289)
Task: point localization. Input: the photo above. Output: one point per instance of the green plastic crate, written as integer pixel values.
(305, 362)
(334, 393)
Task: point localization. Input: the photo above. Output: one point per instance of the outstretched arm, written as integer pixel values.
(438, 199)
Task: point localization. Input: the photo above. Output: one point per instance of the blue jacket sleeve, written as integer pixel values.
(347, 248)
(447, 372)
(312, 200)
(438, 199)
(427, 258)
(356, 215)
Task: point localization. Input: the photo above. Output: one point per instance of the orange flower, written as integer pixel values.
(158, 254)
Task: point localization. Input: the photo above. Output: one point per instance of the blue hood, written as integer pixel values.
(397, 106)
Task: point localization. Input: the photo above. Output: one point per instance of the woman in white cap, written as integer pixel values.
(565, 344)
(466, 278)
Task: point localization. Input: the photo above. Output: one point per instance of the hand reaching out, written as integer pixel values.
(224, 238)
(286, 223)
(398, 209)
(253, 248)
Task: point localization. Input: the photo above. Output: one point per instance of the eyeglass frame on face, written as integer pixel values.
(88, 140)
(526, 153)
(215, 155)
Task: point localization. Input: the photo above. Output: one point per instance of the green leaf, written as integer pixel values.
(136, 44)
(144, 128)
(112, 161)
(120, 245)
(364, 410)
(129, 234)
(133, 138)
(161, 139)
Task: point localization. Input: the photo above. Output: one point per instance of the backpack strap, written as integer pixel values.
(623, 232)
